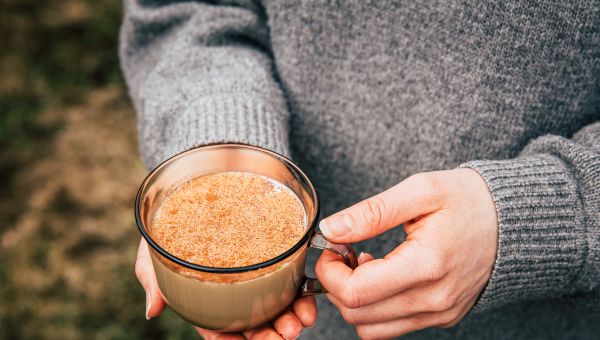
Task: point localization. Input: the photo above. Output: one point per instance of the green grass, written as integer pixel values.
(68, 172)
(53, 52)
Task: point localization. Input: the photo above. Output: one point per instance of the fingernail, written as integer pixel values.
(148, 305)
(336, 226)
(364, 257)
(286, 338)
(361, 256)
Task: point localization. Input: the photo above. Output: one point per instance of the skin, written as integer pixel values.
(430, 280)
(435, 276)
(302, 313)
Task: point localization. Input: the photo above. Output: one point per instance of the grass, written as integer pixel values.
(69, 169)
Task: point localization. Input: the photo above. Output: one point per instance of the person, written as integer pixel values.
(468, 132)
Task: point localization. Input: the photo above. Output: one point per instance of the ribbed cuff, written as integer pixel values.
(540, 249)
(218, 119)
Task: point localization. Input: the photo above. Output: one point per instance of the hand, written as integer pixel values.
(435, 276)
(303, 312)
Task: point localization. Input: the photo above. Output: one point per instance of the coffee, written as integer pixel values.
(231, 299)
(229, 219)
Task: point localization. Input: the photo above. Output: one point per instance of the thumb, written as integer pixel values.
(416, 196)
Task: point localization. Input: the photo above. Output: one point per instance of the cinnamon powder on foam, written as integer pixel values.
(229, 219)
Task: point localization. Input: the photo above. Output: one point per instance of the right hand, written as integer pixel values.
(302, 313)
(434, 277)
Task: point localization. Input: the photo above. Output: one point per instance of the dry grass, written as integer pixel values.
(69, 169)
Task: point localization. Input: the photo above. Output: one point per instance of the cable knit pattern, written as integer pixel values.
(362, 94)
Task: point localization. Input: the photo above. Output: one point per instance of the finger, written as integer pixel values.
(406, 267)
(391, 329)
(399, 327)
(306, 310)
(265, 332)
(384, 310)
(457, 315)
(364, 257)
(426, 299)
(145, 274)
(288, 325)
(417, 195)
(212, 335)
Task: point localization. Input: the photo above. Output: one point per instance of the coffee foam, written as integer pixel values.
(229, 219)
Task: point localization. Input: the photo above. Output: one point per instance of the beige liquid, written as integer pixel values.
(231, 302)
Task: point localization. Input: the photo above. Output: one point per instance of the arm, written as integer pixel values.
(548, 205)
(520, 229)
(200, 74)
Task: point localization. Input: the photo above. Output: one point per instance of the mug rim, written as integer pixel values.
(226, 270)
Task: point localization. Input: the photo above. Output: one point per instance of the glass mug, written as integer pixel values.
(233, 299)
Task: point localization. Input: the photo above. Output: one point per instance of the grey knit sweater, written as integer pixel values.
(363, 94)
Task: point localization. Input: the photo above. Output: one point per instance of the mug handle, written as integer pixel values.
(311, 285)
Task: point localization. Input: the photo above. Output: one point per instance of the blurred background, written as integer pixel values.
(69, 170)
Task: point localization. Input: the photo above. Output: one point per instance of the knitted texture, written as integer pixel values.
(549, 237)
(363, 94)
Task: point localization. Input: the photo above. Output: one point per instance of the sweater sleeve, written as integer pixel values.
(201, 73)
(548, 205)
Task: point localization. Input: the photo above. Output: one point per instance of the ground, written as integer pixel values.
(69, 170)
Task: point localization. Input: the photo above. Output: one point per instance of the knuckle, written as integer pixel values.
(420, 180)
(373, 211)
(350, 316)
(435, 268)
(415, 323)
(448, 324)
(350, 298)
(430, 185)
(450, 320)
(412, 303)
(364, 332)
(440, 302)
(452, 298)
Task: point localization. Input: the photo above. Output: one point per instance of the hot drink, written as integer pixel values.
(228, 247)
(229, 219)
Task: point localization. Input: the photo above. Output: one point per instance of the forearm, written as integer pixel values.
(201, 74)
(548, 206)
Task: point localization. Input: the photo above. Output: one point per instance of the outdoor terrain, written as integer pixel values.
(69, 170)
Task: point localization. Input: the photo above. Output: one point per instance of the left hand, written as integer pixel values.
(435, 276)
(288, 325)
